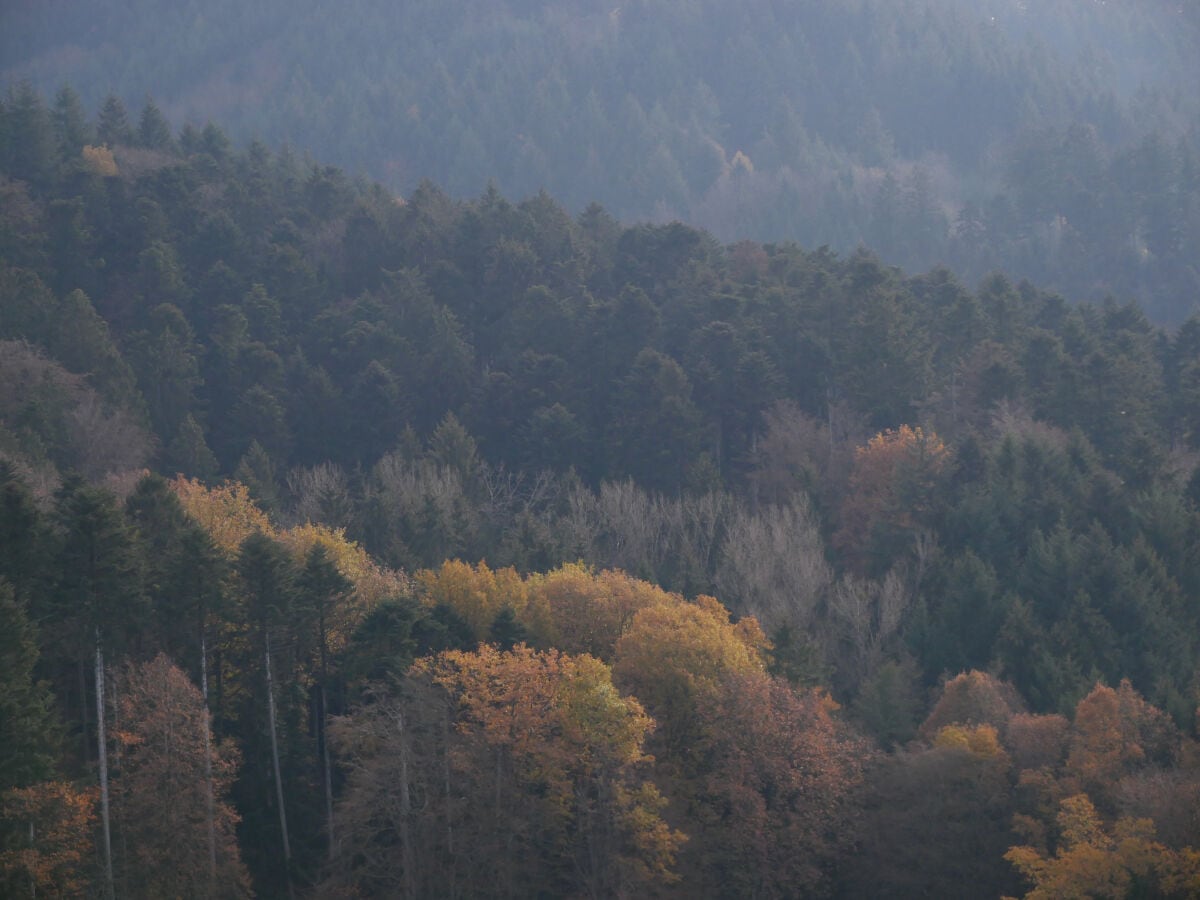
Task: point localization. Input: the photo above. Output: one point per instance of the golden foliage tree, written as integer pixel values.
(675, 655)
(589, 612)
(502, 773)
(1093, 861)
(99, 161)
(226, 512)
(475, 593)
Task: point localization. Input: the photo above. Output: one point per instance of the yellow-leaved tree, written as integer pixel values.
(1093, 861)
(674, 656)
(476, 593)
(502, 773)
(226, 512)
(589, 612)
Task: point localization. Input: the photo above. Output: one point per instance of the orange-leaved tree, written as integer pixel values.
(53, 853)
(890, 496)
(973, 698)
(776, 796)
(1116, 733)
(171, 796)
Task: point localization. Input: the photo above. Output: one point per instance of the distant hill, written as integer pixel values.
(1054, 140)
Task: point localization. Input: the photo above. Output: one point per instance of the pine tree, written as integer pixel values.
(99, 599)
(154, 132)
(268, 583)
(112, 124)
(30, 745)
(322, 589)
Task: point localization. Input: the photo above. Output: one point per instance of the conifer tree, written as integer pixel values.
(268, 583)
(322, 589)
(27, 722)
(99, 597)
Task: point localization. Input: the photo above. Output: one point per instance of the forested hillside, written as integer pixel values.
(1053, 140)
(519, 552)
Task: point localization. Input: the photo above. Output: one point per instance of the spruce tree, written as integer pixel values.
(30, 746)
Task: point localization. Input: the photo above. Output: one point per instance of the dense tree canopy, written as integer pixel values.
(513, 513)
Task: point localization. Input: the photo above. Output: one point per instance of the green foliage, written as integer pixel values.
(30, 747)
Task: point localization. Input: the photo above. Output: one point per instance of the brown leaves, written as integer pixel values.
(55, 821)
(162, 794)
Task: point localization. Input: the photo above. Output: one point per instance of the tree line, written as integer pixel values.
(1054, 141)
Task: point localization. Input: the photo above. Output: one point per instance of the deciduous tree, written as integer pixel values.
(168, 815)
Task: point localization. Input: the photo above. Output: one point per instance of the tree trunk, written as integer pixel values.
(287, 849)
(324, 739)
(103, 759)
(405, 812)
(119, 812)
(328, 770)
(83, 708)
(32, 879)
(208, 780)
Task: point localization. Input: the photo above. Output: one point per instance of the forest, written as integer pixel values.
(1054, 140)
(354, 545)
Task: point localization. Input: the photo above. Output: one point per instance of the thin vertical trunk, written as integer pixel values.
(119, 812)
(328, 770)
(103, 759)
(32, 879)
(405, 811)
(446, 779)
(208, 779)
(287, 849)
(324, 738)
(83, 707)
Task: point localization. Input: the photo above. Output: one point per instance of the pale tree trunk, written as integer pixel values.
(287, 849)
(328, 769)
(32, 880)
(405, 812)
(453, 892)
(103, 759)
(119, 812)
(208, 780)
(324, 737)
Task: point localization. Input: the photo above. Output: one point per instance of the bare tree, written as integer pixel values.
(773, 566)
(862, 616)
(321, 494)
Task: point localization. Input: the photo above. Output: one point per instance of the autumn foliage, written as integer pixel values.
(53, 855)
(167, 790)
(890, 494)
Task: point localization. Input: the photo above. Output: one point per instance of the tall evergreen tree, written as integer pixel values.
(99, 598)
(29, 750)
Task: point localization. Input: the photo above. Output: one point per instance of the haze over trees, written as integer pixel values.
(355, 545)
(1055, 140)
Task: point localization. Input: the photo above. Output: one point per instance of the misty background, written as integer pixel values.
(1054, 140)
